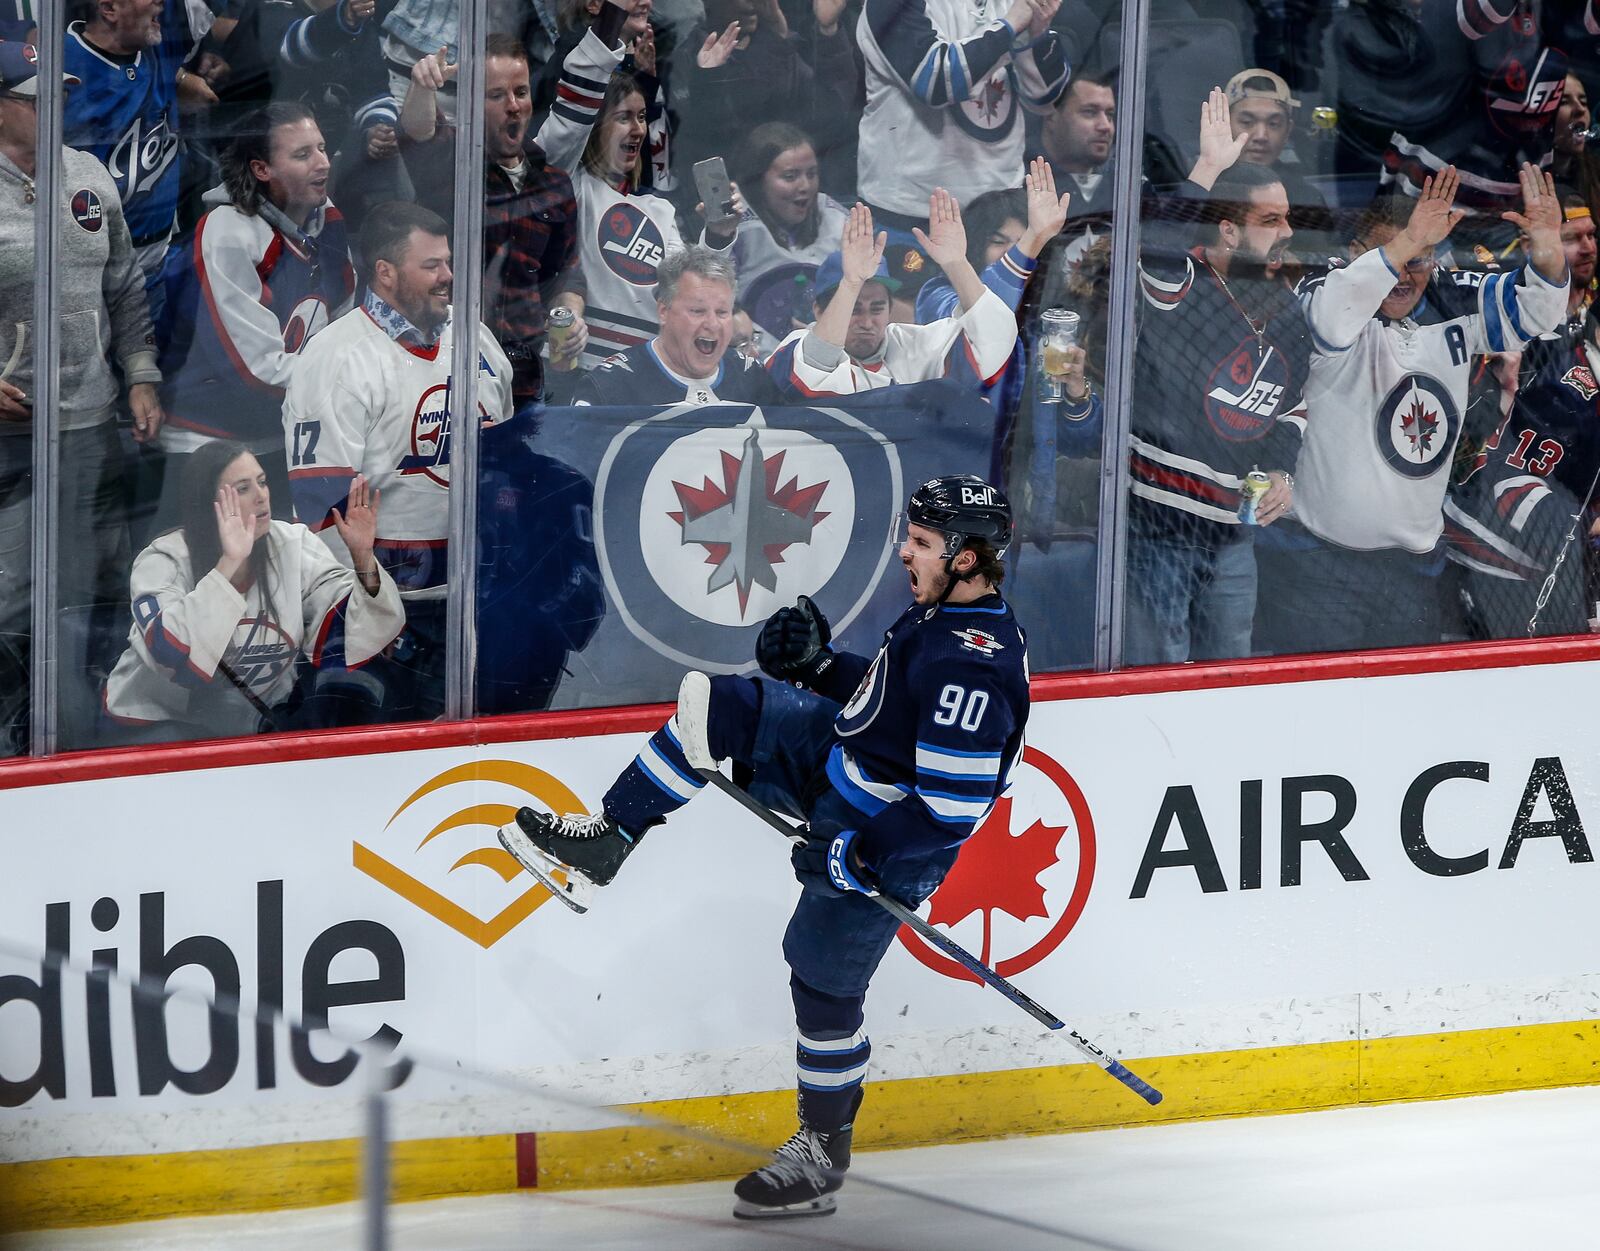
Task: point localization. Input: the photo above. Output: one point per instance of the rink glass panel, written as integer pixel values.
(1378, 99)
(554, 623)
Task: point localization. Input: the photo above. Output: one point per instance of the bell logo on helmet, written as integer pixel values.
(978, 495)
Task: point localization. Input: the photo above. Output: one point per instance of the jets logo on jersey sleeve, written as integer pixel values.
(867, 702)
(1245, 391)
(631, 244)
(87, 210)
(1416, 426)
(305, 319)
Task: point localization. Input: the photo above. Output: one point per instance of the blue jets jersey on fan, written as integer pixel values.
(927, 741)
(127, 115)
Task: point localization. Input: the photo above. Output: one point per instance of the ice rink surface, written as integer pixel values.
(1515, 1172)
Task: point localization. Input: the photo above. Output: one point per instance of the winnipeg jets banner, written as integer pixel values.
(708, 518)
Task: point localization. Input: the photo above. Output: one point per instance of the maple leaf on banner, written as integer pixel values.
(998, 871)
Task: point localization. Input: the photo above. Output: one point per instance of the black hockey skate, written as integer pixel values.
(571, 855)
(801, 1179)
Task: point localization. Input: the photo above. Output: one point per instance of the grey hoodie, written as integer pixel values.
(102, 308)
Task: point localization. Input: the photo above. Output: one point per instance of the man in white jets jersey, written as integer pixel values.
(375, 400)
(1394, 345)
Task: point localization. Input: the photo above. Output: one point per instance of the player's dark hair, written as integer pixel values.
(989, 565)
(252, 141)
(197, 517)
(620, 86)
(388, 228)
(498, 43)
(986, 214)
(1230, 195)
(765, 144)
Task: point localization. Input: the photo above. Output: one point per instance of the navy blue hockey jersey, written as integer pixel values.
(127, 115)
(926, 742)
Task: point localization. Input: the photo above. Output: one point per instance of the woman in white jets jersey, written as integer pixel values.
(225, 604)
(596, 131)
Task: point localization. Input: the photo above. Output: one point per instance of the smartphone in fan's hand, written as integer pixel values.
(716, 192)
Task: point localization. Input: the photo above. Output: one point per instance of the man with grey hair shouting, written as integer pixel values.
(689, 360)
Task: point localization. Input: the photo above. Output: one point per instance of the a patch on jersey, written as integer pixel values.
(630, 244)
(709, 519)
(1416, 426)
(1245, 391)
(305, 319)
(87, 210)
(1581, 379)
(980, 641)
(987, 113)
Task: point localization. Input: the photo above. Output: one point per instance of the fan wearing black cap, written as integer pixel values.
(853, 346)
(892, 762)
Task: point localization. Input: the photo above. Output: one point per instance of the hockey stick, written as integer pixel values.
(951, 948)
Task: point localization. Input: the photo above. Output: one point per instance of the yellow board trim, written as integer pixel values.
(46, 1194)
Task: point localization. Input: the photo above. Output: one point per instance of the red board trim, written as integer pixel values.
(337, 744)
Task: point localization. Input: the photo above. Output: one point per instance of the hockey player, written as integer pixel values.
(225, 603)
(1218, 378)
(690, 360)
(1394, 349)
(944, 79)
(268, 268)
(852, 346)
(597, 131)
(371, 396)
(890, 784)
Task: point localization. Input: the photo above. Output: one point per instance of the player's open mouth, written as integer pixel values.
(705, 346)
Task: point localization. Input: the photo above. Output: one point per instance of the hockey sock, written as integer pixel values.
(659, 781)
(732, 719)
(830, 1055)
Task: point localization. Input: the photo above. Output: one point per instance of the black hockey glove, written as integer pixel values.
(793, 645)
(833, 866)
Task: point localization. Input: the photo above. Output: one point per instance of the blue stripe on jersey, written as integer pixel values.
(951, 751)
(862, 800)
(956, 58)
(992, 612)
(928, 77)
(954, 812)
(1508, 301)
(1493, 328)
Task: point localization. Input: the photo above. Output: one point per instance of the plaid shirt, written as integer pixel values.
(530, 256)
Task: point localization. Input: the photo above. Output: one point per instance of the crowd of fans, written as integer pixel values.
(1365, 385)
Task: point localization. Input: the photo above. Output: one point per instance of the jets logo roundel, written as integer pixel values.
(87, 210)
(710, 518)
(988, 112)
(631, 245)
(1416, 426)
(1245, 391)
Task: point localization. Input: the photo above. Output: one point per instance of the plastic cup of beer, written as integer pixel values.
(1058, 331)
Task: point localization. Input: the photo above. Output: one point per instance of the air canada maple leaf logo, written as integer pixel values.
(746, 521)
(1020, 883)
